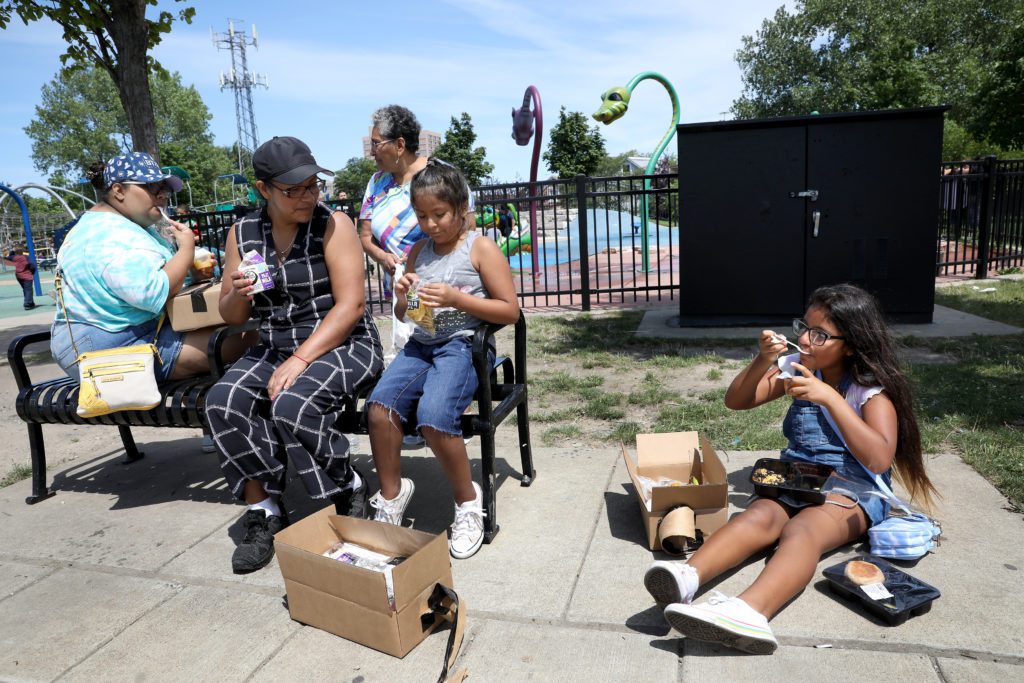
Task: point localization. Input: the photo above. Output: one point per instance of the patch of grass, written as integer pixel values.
(713, 375)
(973, 407)
(1013, 270)
(1006, 304)
(605, 407)
(651, 392)
(555, 435)
(564, 383)
(749, 430)
(564, 415)
(625, 432)
(16, 474)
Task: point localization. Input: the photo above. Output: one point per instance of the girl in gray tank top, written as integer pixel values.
(455, 281)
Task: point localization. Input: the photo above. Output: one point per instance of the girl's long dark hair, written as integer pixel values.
(874, 362)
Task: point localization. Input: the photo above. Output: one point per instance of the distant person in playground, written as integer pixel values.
(849, 376)
(24, 273)
(118, 273)
(507, 223)
(388, 226)
(461, 278)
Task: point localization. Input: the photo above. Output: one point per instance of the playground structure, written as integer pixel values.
(29, 243)
(185, 180)
(523, 129)
(229, 184)
(615, 102)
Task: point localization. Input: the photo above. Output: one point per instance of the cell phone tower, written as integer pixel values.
(242, 82)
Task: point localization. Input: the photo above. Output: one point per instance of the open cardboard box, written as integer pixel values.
(679, 456)
(352, 602)
(195, 307)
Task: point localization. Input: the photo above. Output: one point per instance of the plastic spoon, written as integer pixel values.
(779, 338)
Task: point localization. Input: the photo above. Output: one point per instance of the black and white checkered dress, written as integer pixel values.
(246, 425)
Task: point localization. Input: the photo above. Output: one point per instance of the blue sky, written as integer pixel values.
(330, 64)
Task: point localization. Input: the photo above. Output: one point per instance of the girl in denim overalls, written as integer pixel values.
(847, 365)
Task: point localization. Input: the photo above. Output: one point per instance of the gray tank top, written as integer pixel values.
(455, 269)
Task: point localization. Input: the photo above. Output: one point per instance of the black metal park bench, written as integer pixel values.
(502, 389)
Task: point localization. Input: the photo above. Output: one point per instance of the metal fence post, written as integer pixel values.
(988, 165)
(581, 214)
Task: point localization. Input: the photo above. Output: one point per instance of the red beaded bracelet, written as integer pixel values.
(295, 355)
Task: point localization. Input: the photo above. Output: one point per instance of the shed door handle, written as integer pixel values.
(809, 194)
(815, 219)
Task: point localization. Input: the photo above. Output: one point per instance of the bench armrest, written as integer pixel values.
(481, 344)
(16, 355)
(216, 345)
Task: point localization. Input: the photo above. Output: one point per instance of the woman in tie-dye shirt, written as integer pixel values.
(387, 223)
(118, 272)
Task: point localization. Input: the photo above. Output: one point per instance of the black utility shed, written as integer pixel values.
(770, 209)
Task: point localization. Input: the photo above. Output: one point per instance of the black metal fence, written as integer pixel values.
(607, 236)
(590, 242)
(981, 217)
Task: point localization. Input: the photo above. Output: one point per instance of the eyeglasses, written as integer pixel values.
(816, 336)
(154, 189)
(297, 191)
(374, 144)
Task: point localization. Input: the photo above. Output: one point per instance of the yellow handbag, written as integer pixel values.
(122, 378)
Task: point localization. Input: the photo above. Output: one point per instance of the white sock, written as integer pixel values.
(269, 507)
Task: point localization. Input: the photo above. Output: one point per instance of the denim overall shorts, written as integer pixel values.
(812, 439)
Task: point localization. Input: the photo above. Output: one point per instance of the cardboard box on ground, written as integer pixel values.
(680, 456)
(195, 307)
(352, 602)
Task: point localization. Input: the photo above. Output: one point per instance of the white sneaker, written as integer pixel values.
(393, 511)
(670, 582)
(208, 445)
(468, 528)
(728, 621)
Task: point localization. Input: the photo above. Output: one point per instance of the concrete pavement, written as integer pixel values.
(125, 574)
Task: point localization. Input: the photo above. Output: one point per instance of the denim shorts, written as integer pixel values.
(443, 373)
(91, 338)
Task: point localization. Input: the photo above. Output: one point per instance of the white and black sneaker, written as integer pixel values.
(670, 582)
(468, 529)
(393, 511)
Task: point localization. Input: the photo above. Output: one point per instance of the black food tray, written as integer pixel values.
(803, 480)
(910, 597)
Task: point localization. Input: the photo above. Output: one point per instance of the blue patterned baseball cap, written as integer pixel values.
(137, 167)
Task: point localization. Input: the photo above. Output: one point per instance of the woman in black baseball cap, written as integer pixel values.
(318, 345)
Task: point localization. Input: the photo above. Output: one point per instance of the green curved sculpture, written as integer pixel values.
(614, 103)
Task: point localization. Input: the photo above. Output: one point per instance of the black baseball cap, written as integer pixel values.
(286, 160)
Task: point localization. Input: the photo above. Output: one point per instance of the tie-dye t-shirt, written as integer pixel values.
(112, 270)
(388, 207)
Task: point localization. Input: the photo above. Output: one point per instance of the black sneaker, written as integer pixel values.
(352, 502)
(257, 547)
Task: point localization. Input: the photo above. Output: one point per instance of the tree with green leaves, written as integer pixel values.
(79, 120)
(999, 100)
(116, 36)
(352, 179)
(457, 149)
(837, 55)
(612, 165)
(573, 146)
